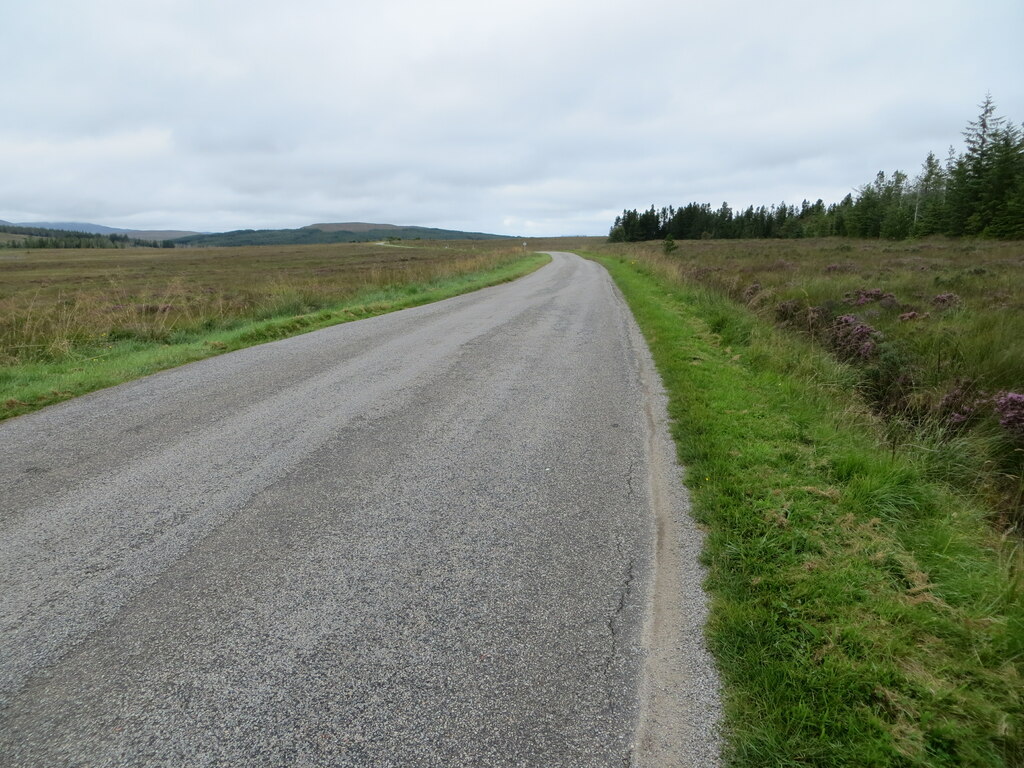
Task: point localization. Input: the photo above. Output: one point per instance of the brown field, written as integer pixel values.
(52, 301)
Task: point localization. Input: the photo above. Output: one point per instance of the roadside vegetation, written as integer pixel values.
(847, 416)
(75, 321)
(931, 331)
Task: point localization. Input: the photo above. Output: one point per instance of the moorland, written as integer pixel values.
(74, 320)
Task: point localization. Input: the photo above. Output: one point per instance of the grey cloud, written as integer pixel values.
(526, 117)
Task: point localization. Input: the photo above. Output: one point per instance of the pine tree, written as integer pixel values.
(1009, 223)
(1005, 172)
(958, 199)
(929, 194)
(977, 167)
(897, 216)
(866, 215)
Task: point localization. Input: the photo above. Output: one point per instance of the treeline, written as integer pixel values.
(979, 192)
(38, 237)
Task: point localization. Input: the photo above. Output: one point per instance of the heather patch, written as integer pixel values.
(961, 406)
(946, 300)
(852, 339)
(1010, 409)
(913, 315)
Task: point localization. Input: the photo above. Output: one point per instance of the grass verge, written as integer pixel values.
(934, 328)
(28, 386)
(862, 614)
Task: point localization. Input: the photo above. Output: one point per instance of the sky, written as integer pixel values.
(530, 118)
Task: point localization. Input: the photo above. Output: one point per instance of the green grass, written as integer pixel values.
(127, 353)
(862, 613)
(947, 324)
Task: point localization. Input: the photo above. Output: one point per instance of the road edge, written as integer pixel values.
(680, 711)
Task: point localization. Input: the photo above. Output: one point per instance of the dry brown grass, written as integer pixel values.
(54, 301)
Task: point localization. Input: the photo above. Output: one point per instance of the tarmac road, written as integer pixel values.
(452, 535)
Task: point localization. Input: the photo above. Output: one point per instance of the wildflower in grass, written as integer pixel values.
(817, 317)
(1010, 409)
(796, 314)
(864, 296)
(961, 405)
(787, 311)
(853, 339)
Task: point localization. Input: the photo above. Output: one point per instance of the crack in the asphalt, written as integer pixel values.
(613, 632)
(627, 588)
(629, 478)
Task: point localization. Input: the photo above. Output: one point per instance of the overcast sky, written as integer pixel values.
(529, 117)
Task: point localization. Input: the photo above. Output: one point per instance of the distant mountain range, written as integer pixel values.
(99, 229)
(341, 232)
(349, 232)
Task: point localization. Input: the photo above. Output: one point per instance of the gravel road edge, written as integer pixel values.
(680, 690)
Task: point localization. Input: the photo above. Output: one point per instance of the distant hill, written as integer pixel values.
(354, 232)
(159, 234)
(73, 226)
(17, 235)
(352, 226)
(337, 232)
(100, 229)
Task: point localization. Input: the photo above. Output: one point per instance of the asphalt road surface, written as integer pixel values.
(449, 536)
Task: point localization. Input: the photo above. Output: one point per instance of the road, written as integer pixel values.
(452, 535)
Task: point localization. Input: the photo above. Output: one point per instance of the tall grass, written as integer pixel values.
(56, 304)
(72, 322)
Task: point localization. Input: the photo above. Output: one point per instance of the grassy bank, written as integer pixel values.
(864, 612)
(934, 331)
(70, 326)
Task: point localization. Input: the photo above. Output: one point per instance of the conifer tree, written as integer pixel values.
(973, 171)
(929, 194)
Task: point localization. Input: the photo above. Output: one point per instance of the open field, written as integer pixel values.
(865, 609)
(69, 318)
